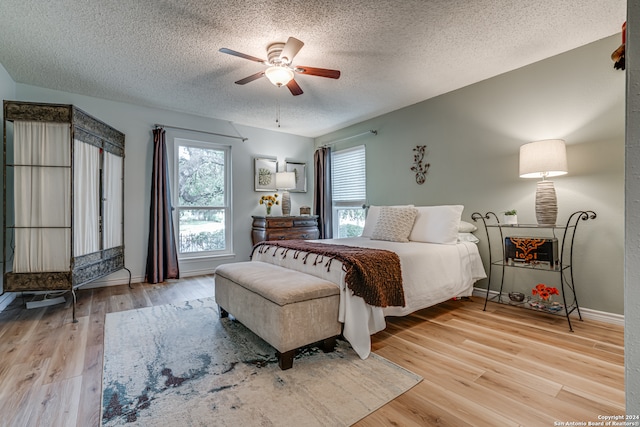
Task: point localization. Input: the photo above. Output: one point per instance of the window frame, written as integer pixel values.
(358, 203)
(178, 142)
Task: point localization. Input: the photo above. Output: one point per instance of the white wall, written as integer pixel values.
(137, 123)
(473, 137)
(7, 91)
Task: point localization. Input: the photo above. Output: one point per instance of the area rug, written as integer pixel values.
(180, 365)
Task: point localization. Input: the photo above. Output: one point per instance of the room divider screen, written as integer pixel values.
(63, 222)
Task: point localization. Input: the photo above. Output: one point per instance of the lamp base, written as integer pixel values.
(286, 203)
(546, 203)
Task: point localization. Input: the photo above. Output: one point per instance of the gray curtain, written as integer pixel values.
(162, 256)
(322, 191)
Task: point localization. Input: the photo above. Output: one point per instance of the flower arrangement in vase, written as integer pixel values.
(545, 294)
(269, 201)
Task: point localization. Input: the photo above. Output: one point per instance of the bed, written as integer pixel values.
(432, 271)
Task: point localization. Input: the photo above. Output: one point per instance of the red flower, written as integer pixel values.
(544, 291)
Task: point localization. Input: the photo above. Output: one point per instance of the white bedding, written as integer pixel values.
(431, 273)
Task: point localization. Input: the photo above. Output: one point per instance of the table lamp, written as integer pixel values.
(286, 181)
(544, 159)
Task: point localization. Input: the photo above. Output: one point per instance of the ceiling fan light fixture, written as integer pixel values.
(280, 70)
(279, 75)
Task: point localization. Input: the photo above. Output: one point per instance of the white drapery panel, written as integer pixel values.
(112, 204)
(42, 197)
(86, 203)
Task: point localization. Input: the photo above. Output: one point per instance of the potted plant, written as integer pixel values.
(510, 217)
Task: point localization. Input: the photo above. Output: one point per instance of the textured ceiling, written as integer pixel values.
(392, 53)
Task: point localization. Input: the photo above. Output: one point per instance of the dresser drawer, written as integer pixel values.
(305, 223)
(280, 223)
(293, 234)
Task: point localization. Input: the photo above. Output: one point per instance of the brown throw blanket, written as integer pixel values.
(373, 274)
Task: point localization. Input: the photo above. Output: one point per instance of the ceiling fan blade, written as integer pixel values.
(251, 78)
(290, 49)
(241, 55)
(294, 88)
(321, 72)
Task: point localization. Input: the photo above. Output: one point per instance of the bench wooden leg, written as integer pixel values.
(328, 345)
(285, 360)
(223, 313)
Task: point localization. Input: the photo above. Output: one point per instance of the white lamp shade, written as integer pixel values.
(542, 159)
(278, 75)
(285, 180)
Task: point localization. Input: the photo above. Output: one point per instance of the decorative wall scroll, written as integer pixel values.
(418, 167)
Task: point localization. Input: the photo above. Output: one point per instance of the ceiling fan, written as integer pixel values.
(280, 71)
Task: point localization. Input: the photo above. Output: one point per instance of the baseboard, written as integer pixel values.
(587, 313)
(200, 272)
(137, 279)
(602, 316)
(103, 283)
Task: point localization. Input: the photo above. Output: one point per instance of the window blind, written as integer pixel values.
(348, 176)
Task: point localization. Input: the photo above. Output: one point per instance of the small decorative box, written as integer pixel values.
(305, 210)
(531, 250)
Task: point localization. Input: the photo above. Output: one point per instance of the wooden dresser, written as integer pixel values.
(284, 228)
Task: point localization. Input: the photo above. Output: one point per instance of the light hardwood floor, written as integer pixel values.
(500, 367)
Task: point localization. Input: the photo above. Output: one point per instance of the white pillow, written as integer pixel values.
(466, 227)
(467, 237)
(372, 218)
(394, 224)
(437, 224)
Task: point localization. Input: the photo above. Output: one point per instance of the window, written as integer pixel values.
(349, 191)
(202, 198)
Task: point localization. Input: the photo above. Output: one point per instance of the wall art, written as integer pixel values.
(265, 174)
(419, 167)
(300, 169)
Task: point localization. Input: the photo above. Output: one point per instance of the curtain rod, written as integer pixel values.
(373, 131)
(158, 125)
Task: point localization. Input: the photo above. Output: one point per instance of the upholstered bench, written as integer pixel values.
(286, 308)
